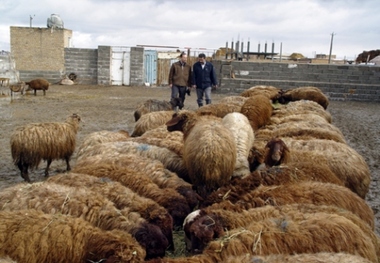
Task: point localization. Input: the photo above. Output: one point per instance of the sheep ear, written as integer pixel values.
(174, 121)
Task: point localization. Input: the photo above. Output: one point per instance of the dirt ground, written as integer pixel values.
(111, 108)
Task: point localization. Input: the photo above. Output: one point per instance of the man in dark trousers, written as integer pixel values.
(179, 81)
(204, 78)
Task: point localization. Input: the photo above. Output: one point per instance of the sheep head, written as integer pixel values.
(152, 239)
(276, 152)
(204, 230)
(181, 121)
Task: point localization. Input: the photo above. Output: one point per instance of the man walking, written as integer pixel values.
(179, 80)
(203, 78)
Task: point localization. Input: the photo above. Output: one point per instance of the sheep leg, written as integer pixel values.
(47, 167)
(35, 92)
(24, 171)
(68, 168)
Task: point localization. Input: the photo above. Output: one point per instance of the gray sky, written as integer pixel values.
(302, 26)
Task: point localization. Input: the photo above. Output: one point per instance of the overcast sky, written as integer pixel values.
(302, 26)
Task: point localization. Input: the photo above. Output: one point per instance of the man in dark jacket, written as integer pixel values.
(204, 78)
(179, 80)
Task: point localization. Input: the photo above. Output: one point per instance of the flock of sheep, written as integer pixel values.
(259, 177)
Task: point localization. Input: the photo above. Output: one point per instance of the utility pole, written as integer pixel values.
(331, 45)
(30, 20)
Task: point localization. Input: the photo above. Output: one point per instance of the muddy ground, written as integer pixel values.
(111, 108)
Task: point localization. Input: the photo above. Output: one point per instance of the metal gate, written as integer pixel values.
(120, 66)
(150, 67)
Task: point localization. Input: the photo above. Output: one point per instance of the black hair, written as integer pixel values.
(201, 55)
(182, 53)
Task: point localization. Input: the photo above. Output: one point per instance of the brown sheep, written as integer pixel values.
(258, 109)
(170, 159)
(237, 100)
(150, 106)
(99, 137)
(44, 141)
(347, 164)
(209, 150)
(318, 130)
(154, 169)
(150, 121)
(329, 257)
(140, 183)
(52, 198)
(302, 107)
(238, 198)
(38, 84)
(305, 93)
(270, 92)
(198, 230)
(218, 109)
(290, 234)
(32, 236)
(122, 197)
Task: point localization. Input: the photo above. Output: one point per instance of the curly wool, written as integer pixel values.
(258, 109)
(61, 238)
(150, 121)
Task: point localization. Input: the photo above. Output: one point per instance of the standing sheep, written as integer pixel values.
(150, 121)
(209, 150)
(44, 141)
(154, 105)
(305, 93)
(38, 84)
(258, 109)
(243, 134)
(32, 236)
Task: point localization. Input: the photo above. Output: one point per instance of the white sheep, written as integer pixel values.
(244, 137)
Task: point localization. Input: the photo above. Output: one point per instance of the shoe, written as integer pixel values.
(188, 91)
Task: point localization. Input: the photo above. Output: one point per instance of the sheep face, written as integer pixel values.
(177, 123)
(152, 239)
(276, 152)
(202, 231)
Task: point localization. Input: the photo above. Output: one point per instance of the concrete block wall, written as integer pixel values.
(104, 65)
(137, 66)
(339, 82)
(84, 63)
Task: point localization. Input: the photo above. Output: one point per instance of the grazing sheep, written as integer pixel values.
(347, 164)
(270, 92)
(307, 233)
(17, 87)
(170, 159)
(218, 109)
(153, 169)
(258, 109)
(329, 257)
(237, 100)
(99, 137)
(59, 199)
(198, 228)
(209, 150)
(306, 192)
(318, 130)
(172, 143)
(243, 134)
(140, 183)
(122, 197)
(38, 84)
(305, 93)
(150, 121)
(32, 236)
(43, 141)
(150, 106)
(302, 107)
